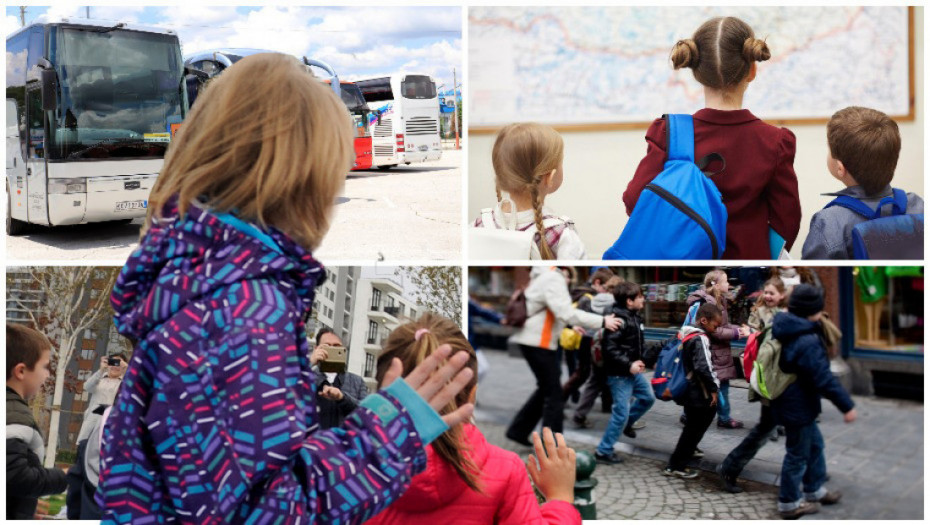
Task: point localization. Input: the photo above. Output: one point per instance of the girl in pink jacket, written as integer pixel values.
(467, 480)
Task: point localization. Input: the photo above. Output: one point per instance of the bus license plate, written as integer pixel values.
(424, 148)
(130, 205)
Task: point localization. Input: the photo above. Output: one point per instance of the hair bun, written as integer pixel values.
(756, 50)
(684, 54)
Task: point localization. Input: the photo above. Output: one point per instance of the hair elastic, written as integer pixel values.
(420, 332)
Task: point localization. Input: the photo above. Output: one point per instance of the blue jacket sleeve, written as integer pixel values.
(813, 364)
(487, 314)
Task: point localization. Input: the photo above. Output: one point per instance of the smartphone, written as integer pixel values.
(337, 360)
(113, 361)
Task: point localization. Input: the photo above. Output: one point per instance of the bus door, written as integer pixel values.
(36, 169)
(15, 162)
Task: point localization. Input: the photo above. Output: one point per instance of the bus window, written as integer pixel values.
(418, 87)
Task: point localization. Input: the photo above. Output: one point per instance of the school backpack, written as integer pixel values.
(751, 350)
(680, 214)
(896, 236)
(487, 241)
(670, 382)
(767, 378)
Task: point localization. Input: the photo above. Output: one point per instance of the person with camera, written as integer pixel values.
(338, 392)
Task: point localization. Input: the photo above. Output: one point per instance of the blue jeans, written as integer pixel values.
(623, 412)
(804, 463)
(723, 401)
(740, 456)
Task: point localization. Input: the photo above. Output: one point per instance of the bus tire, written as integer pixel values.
(13, 227)
(386, 167)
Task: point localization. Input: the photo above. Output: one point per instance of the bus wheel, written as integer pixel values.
(386, 167)
(13, 226)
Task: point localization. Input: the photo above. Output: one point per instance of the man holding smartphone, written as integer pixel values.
(338, 390)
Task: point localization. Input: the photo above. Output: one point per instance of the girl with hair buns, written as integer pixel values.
(758, 183)
(527, 159)
(467, 480)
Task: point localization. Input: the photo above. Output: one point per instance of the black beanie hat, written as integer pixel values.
(805, 300)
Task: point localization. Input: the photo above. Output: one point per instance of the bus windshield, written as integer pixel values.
(417, 87)
(352, 97)
(120, 93)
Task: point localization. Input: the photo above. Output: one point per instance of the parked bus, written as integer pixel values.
(214, 61)
(405, 117)
(91, 108)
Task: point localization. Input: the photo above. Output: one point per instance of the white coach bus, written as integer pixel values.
(405, 118)
(91, 108)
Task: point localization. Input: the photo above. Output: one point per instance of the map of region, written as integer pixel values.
(610, 64)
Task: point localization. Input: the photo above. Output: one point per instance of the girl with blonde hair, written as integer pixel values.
(527, 159)
(216, 421)
(467, 480)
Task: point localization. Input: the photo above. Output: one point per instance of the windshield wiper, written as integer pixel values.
(115, 140)
(107, 29)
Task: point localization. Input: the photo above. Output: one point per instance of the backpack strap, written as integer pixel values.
(680, 134)
(898, 202)
(487, 218)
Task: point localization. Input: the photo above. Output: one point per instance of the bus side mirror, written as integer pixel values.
(49, 89)
(379, 118)
(201, 76)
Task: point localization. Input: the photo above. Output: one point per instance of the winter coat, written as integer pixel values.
(102, 389)
(830, 234)
(696, 359)
(803, 353)
(549, 309)
(762, 316)
(475, 310)
(439, 496)
(26, 478)
(216, 421)
(720, 351)
(625, 346)
(354, 390)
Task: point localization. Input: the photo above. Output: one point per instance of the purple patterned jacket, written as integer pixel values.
(216, 419)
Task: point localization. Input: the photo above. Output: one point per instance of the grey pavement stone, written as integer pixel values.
(877, 462)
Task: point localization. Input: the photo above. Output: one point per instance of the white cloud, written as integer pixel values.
(10, 25)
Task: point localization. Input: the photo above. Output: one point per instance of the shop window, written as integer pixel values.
(889, 311)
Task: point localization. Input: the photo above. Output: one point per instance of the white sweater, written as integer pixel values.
(549, 309)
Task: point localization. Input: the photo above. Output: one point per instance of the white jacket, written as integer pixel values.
(549, 309)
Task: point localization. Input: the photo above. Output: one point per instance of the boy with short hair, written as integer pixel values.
(797, 408)
(28, 354)
(864, 147)
(700, 402)
(624, 367)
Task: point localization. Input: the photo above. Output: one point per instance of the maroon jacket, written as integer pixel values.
(759, 186)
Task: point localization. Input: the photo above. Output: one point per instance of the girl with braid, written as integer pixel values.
(527, 160)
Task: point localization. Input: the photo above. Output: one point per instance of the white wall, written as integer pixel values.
(598, 166)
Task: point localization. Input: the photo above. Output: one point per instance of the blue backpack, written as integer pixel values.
(896, 236)
(680, 214)
(669, 382)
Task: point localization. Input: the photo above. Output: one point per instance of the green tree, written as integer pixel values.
(438, 288)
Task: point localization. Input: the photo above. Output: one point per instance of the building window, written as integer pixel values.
(369, 365)
(375, 299)
(372, 332)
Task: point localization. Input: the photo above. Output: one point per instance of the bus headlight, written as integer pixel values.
(60, 186)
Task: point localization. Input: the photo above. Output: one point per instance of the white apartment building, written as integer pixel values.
(380, 307)
(333, 303)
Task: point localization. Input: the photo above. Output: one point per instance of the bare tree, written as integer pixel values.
(70, 300)
(438, 288)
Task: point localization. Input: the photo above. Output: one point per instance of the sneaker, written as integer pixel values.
(730, 424)
(832, 497)
(806, 507)
(609, 459)
(523, 441)
(729, 482)
(686, 473)
(582, 422)
(698, 453)
(629, 432)
(640, 424)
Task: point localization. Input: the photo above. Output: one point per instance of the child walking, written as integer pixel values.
(758, 185)
(216, 420)
(527, 160)
(701, 399)
(467, 480)
(624, 367)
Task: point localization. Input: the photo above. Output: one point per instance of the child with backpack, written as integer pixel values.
(864, 146)
(774, 299)
(700, 399)
(715, 290)
(757, 181)
(804, 354)
(467, 480)
(216, 420)
(527, 160)
(548, 309)
(624, 367)
(579, 360)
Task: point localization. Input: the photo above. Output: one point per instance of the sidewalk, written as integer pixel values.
(877, 462)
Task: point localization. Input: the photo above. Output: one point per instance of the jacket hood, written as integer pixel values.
(440, 484)
(786, 325)
(688, 330)
(701, 295)
(182, 258)
(603, 302)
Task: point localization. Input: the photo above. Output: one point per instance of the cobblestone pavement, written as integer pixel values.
(877, 462)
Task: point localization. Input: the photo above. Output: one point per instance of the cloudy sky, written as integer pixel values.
(359, 42)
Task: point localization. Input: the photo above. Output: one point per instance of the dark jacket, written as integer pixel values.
(696, 359)
(625, 346)
(333, 413)
(26, 478)
(803, 353)
(720, 351)
(759, 186)
(475, 310)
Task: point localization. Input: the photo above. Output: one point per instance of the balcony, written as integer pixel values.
(373, 344)
(383, 314)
